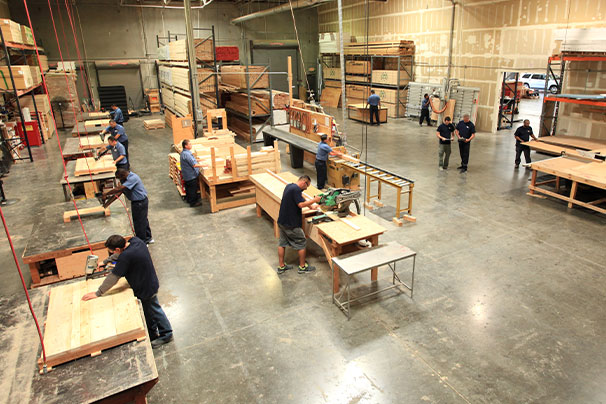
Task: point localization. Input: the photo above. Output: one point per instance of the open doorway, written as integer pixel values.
(518, 101)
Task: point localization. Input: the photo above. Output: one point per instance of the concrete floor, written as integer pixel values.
(508, 297)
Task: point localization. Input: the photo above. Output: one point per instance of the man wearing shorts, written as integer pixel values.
(290, 221)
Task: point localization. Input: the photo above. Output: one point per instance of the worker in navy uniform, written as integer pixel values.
(466, 132)
(321, 160)
(190, 169)
(118, 132)
(445, 136)
(374, 103)
(425, 110)
(135, 264)
(523, 134)
(118, 153)
(290, 222)
(133, 188)
(116, 114)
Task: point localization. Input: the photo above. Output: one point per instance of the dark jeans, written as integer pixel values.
(140, 222)
(425, 115)
(191, 192)
(124, 166)
(374, 110)
(158, 325)
(321, 172)
(125, 144)
(464, 152)
(519, 149)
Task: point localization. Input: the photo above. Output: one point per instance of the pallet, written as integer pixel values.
(72, 214)
(151, 124)
(76, 328)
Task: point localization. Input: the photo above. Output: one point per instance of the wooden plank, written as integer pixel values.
(72, 266)
(88, 165)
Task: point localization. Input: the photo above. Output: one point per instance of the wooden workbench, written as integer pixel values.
(56, 251)
(83, 129)
(90, 183)
(579, 171)
(122, 374)
(335, 238)
(75, 148)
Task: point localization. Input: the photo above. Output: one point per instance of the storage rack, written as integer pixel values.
(405, 65)
(551, 103)
(508, 106)
(267, 118)
(22, 48)
(164, 40)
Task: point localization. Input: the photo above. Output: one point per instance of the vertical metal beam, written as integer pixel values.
(193, 66)
(342, 61)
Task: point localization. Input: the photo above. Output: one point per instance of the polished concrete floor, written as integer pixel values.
(508, 301)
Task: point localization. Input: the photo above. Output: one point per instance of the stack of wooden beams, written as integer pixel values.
(65, 92)
(168, 98)
(241, 128)
(388, 48)
(177, 50)
(236, 76)
(259, 103)
(174, 171)
(182, 104)
(150, 124)
(266, 158)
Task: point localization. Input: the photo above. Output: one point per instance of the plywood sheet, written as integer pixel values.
(331, 97)
(342, 233)
(75, 328)
(575, 142)
(87, 165)
(96, 124)
(72, 266)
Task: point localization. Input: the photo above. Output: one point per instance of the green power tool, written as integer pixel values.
(339, 199)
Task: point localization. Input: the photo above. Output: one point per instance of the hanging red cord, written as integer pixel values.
(128, 216)
(29, 301)
(80, 60)
(54, 122)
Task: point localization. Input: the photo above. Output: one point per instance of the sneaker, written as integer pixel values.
(517, 166)
(284, 268)
(464, 170)
(158, 342)
(307, 268)
(152, 241)
(445, 168)
(199, 203)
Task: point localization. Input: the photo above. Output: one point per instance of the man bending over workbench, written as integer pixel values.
(290, 222)
(135, 263)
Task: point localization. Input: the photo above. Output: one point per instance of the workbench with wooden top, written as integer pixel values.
(91, 183)
(123, 374)
(56, 251)
(75, 148)
(338, 237)
(89, 127)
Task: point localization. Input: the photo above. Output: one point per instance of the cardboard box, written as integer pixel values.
(21, 74)
(27, 36)
(357, 67)
(332, 73)
(36, 74)
(41, 103)
(11, 31)
(390, 95)
(389, 77)
(355, 91)
(32, 60)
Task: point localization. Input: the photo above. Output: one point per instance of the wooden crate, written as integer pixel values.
(359, 113)
(357, 78)
(236, 76)
(389, 77)
(150, 124)
(11, 31)
(21, 74)
(88, 165)
(357, 67)
(332, 73)
(26, 34)
(332, 83)
(76, 328)
(355, 91)
(392, 109)
(390, 95)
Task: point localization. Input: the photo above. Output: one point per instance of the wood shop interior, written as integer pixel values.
(277, 201)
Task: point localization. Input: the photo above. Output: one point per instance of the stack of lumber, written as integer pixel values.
(168, 98)
(44, 112)
(76, 328)
(88, 165)
(236, 76)
(259, 103)
(32, 61)
(63, 91)
(165, 75)
(388, 48)
(266, 158)
(174, 171)
(180, 78)
(150, 124)
(153, 97)
(177, 50)
(182, 104)
(241, 128)
(11, 31)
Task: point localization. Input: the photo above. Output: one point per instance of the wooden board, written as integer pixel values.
(90, 142)
(343, 233)
(72, 266)
(72, 214)
(96, 124)
(574, 142)
(358, 112)
(75, 328)
(150, 124)
(331, 97)
(88, 165)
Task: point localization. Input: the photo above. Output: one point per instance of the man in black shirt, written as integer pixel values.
(523, 134)
(290, 222)
(465, 131)
(135, 264)
(445, 135)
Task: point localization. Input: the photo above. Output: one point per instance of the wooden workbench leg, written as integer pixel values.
(213, 198)
(202, 188)
(258, 211)
(34, 269)
(573, 193)
(557, 184)
(533, 181)
(335, 251)
(276, 230)
(367, 189)
(410, 188)
(374, 240)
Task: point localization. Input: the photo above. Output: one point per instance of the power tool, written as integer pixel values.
(99, 155)
(92, 270)
(339, 199)
(107, 200)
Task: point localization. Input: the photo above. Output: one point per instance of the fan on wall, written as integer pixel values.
(61, 107)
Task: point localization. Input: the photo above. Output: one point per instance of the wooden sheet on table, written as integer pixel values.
(87, 165)
(574, 142)
(75, 328)
(331, 97)
(342, 233)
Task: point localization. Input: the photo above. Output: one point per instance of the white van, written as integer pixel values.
(536, 81)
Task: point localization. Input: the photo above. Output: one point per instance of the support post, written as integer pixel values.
(193, 66)
(290, 81)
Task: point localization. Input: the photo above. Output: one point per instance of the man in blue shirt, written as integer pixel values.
(116, 114)
(466, 132)
(118, 132)
(290, 222)
(118, 153)
(190, 169)
(134, 262)
(321, 159)
(132, 187)
(374, 102)
(425, 105)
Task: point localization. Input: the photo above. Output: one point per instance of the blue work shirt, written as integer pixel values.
(466, 129)
(323, 150)
(425, 103)
(117, 151)
(374, 100)
(188, 161)
(117, 115)
(118, 130)
(135, 191)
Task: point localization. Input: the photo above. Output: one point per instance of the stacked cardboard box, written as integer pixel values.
(26, 34)
(11, 31)
(22, 75)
